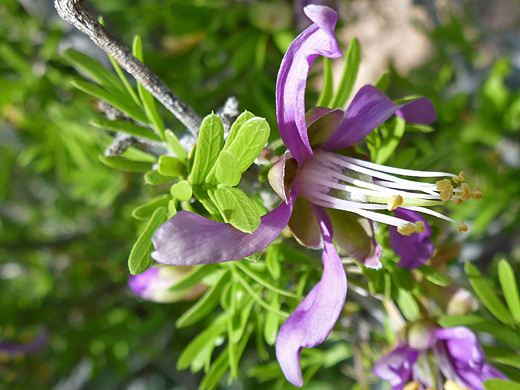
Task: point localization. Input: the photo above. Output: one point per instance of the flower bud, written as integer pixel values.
(420, 335)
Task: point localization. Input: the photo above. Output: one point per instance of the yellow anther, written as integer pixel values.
(450, 385)
(407, 230)
(461, 178)
(412, 386)
(394, 202)
(477, 194)
(467, 191)
(419, 227)
(462, 227)
(457, 201)
(442, 184)
(447, 194)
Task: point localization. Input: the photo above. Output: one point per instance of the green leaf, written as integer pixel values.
(237, 209)
(170, 166)
(383, 81)
(401, 276)
(140, 260)
(204, 305)
(194, 277)
(154, 178)
(97, 72)
(272, 320)
(272, 261)
(126, 127)
(227, 169)
(146, 97)
(94, 90)
(328, 84)
(352, 60)
(175, 145)
(181, 191)
(391, 141)
(249, 141)
(510, 288)
(408, 305)
(124, 80)
(502, 356)
(211, 139)
(501, 384)
(485, 292)
(237, 124)
(435, 276)
(124, 164)
(196, 352)
(145, 211)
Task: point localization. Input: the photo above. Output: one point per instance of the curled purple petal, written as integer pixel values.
(368, 110)
(189, 239)
(318, 39)
(416, 249)
(312, 321)
(13, 349)
(396, 366)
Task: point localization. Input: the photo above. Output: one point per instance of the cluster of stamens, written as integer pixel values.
(345, 183)
(448, 385)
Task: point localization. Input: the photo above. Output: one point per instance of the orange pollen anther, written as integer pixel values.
(394, 202)
(462, 227)
(411, 386)
(467, 192)
(461, 178)
(477, 194)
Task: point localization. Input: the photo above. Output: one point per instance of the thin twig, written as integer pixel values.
(229, 112)
(76, 13)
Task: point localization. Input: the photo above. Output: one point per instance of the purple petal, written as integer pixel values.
(396, 366)
(189, 239)
(462, 344)
(312, 321)
(154, 284)
(416, 249)
(316, 40)
(369, 109)
(13, 349)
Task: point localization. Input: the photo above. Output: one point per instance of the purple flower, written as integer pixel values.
(326, 194)
(154, 285)
(13, 349)
(458, 355)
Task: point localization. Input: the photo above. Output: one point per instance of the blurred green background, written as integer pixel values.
(65, 219)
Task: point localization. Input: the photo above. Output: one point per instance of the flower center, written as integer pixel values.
(345, 183)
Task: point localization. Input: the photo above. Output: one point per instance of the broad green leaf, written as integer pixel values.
(248, 142)
(501, 384)
(479, 324)
(237, 209)
(181, 191)
(124, 164)
(211, 138)
(199, 347)
(328, 84)
(204, 305)
(237, 124)
(170, 166)
(435, 276)
(352, 60)
(175, 145)
(408, 305)
(510, 288)
(94, 90)
(145, 211)
(401, 276)
(146, 97)
(194, 277)
(97, 72)
(227, 169)
(139, 259)
(391, 141)
(485, 292)
(154, 178)
(126, 127)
